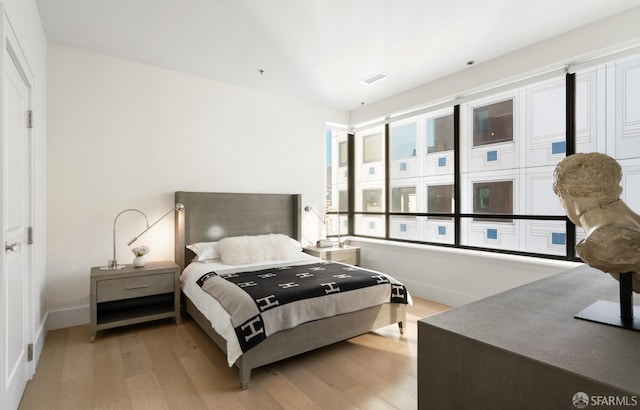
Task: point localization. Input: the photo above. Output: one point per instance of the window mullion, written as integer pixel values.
(351, 183)
(570, 143)
(387, 183)
(457, 177)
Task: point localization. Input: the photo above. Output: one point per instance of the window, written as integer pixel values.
(336, 197)
(372, 148)
(343, 153)
(440, 199)
(403, 141)
(493, 123)
(440, 134)
(403, 199)
(343, 198)
(372, 200)
(493, 198)
(369, 194)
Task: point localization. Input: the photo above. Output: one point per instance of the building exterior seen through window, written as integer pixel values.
(372, 200)
(403, 199)
(493, 198)
(493, 123)
(440, 200)
(372, 148)
(440, 134)
(508, 146)
(343, 154)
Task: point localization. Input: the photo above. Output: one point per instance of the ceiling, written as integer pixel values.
(316, 50)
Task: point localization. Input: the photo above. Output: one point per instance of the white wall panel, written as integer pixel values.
(631, 185)
(544, 129)
(440, 163)
(439, 231)
(404, 228)
(627, 108)
(588, 115)
(495, 235)
(404, 168)
(545, 237)
(540, 199)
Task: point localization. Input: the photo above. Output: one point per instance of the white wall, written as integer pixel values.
(454, 276)
(604, 36)
(25, 21)
(127, 135)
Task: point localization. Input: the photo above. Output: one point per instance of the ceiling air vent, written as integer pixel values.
(374, 78)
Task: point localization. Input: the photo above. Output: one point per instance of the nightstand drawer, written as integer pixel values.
(135, 286)
(347, 254)
(344, 257)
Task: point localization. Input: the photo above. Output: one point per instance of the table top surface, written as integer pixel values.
(537, 321)
(130, 269)
(332, 248)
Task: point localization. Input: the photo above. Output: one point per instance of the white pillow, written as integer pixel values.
(204, 250)
(240, 250)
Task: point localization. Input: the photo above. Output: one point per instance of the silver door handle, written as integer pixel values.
(14, 247)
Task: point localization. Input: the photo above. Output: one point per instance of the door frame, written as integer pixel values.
(16, 55)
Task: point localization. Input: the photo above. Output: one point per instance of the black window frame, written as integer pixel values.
(457, 215)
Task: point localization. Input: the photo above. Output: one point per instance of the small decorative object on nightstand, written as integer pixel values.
(133, 295)
(139, 251)
(346, 254)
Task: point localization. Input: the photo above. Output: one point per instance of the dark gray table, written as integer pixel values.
(524, 349)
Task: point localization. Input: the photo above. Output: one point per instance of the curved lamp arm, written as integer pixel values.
(178, 207)
(324, 220)
(113, 263)
(310, 209)
(340, 244)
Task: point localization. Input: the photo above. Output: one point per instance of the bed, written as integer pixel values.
(211, 217)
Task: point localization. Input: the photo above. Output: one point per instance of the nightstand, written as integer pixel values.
(133, 295)
(348, 254)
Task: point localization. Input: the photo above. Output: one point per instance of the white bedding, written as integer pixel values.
(220, 318)
(211, 309)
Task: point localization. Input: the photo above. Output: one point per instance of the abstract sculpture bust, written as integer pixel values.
(588, 186)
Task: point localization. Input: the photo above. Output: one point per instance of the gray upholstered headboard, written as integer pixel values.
(211, 216)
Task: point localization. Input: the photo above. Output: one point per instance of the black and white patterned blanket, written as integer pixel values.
(267, 301)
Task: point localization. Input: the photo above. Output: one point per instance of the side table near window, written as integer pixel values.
(348, 254)
(133, 295)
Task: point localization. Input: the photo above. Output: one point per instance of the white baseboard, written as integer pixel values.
(444, 296)
(59, 319)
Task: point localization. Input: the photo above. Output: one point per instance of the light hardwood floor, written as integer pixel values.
(163, 366)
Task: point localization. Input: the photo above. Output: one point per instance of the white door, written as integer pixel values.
(16, 215)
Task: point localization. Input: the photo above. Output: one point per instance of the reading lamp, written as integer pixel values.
(324, 222)
(113, 263)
